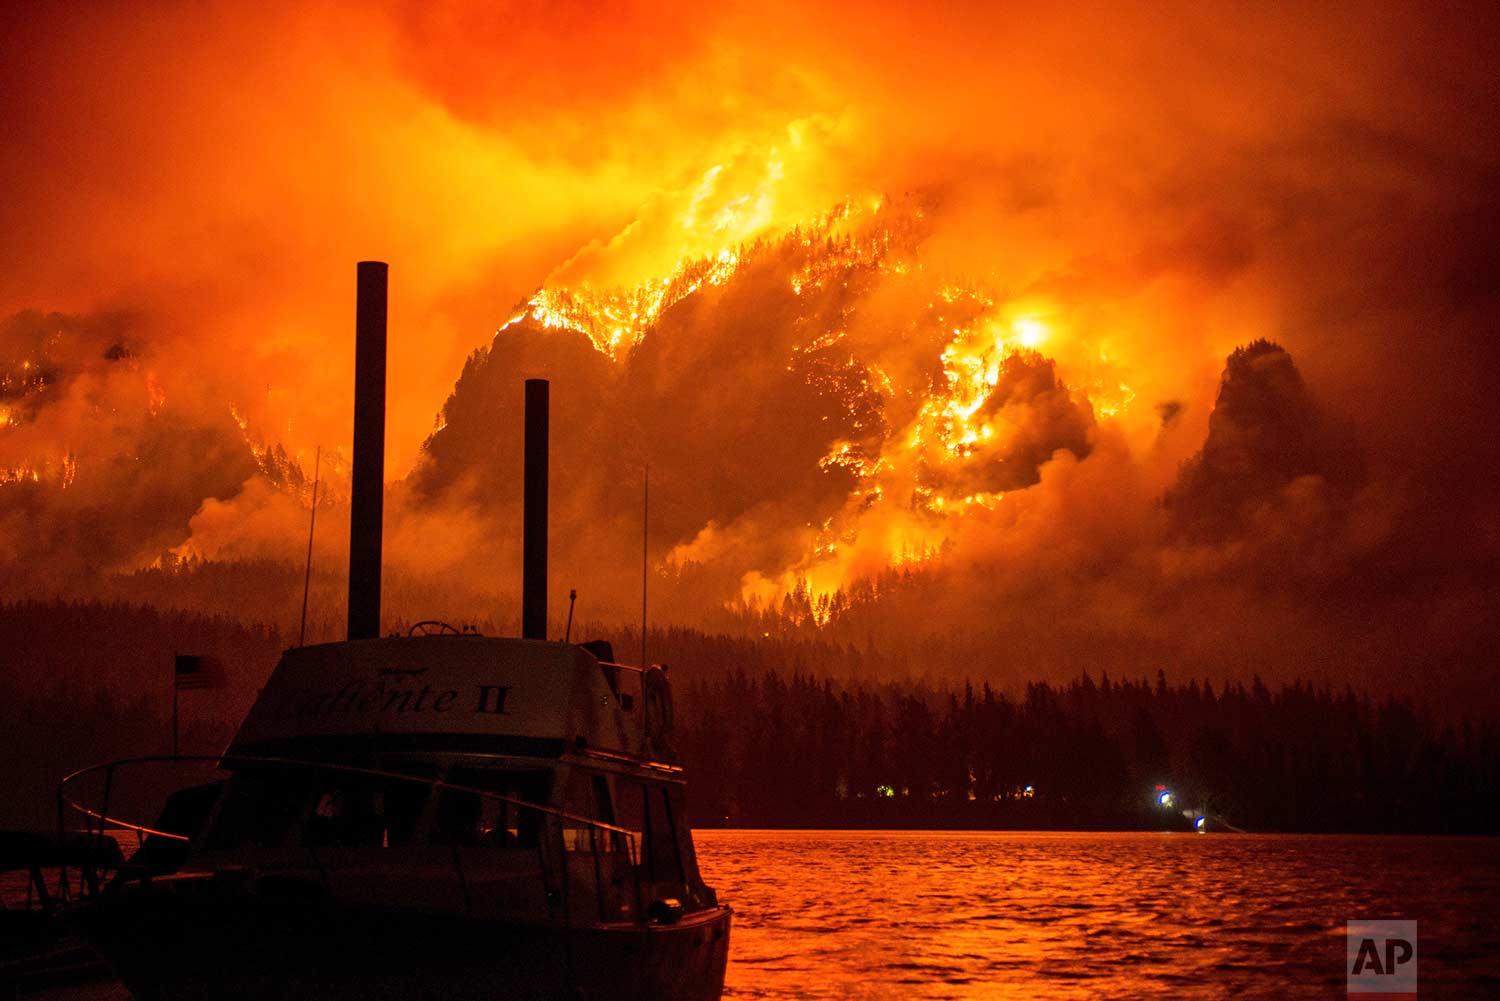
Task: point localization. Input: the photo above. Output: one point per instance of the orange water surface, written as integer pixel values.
(1052, 916)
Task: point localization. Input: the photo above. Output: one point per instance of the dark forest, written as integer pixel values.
(778, 732)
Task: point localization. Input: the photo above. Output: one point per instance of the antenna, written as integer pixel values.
(572, 600)
(645, 538)
(312, 524)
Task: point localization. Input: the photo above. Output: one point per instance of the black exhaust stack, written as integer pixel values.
(534, 515)
(367, 506)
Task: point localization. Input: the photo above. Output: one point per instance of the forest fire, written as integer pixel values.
(878, 331)
(616, 320)
(1004, 419)
(908, 480)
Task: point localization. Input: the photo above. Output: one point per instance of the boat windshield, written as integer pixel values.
(268, 805)
(467, 818)
(364, 810)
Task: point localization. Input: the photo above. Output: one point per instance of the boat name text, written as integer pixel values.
(362, 698)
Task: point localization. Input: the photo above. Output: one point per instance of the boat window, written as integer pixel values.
(352, 809)
(643, 808)
(604, 807)
(260, 808)
(467, 818)
(686, 856)
(661, 837)
(405, 803)
(630, 806)
(582, 838)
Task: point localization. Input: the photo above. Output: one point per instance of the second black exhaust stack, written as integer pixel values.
(534, 515)
(367, 504)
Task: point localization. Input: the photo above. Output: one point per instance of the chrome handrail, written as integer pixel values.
(229, 761)
(627, 667)
(109, 766)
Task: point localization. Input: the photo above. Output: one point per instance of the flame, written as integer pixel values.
(1029, 331)
(915, 484)
(616, 319)
(156, 397)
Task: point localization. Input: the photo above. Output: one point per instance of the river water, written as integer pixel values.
(910, 915)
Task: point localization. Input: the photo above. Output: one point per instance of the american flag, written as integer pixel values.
(193, 671)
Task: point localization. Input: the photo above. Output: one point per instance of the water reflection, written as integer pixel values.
(884, 915)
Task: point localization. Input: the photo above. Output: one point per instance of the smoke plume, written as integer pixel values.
(1118, 337)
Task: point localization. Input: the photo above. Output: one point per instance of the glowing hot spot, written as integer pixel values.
(1030, 332)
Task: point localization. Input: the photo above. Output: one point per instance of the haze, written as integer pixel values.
(1088, 339)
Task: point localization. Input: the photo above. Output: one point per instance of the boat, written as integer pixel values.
(439, 815)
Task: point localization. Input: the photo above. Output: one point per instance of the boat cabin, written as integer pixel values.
(498, 778)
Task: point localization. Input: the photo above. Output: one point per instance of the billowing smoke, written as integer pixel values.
(101, 464)
(1131, 338)
(1267, 441)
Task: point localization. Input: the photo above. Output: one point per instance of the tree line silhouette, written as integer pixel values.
(774, 750)
(859, 739)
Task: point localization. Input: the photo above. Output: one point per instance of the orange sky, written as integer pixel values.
(218, 168)
(1159, 183)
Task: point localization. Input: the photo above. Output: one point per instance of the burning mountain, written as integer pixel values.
(817, 404)
(101, 467)
(842, 435)
(1022, 399)
(823, 405)
(1267, 440)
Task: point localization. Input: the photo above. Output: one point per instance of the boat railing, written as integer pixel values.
(649, 705)
(605, 841)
